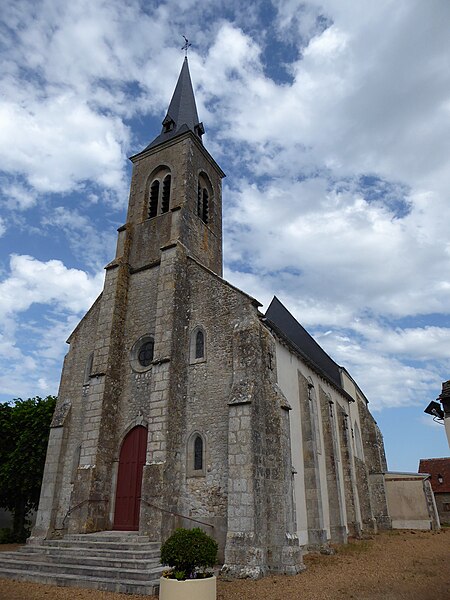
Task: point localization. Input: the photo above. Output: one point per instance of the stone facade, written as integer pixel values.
(246, 437)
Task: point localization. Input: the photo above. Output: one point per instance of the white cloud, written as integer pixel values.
(2, 226)
(59, 142)
(64, 92)
(416, 343)
(344, 249)
(386, 379)
(76, 70)
(361, 100)
(43, 384)
(95, 247)
(31, 347)
(34, 282)
(18, 196)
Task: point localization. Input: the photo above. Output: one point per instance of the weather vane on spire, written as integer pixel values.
(186, 45)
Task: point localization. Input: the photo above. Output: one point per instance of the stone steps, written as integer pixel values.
(90, 568)
(108, 536)
(101, 545)
(71, 552)
(121, 562)
(107, 585)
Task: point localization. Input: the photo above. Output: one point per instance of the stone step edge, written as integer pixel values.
(72, 553)
(149, 586)
(98, 540)
(5, 566)
(8, 573)
(72, 548)
(42, 563)
(83, 547)
(99, 544)
(107, 533)
(48, 549)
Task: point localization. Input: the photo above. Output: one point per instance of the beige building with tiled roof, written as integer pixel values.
(439, 471)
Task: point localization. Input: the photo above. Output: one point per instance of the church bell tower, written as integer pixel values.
(176, 193)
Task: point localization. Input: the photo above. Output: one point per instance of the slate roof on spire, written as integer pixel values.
(182, 113)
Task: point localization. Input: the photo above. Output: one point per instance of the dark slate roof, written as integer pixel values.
(182, 111)
(435, 467)
(278, 316)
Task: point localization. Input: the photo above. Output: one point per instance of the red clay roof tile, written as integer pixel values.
(436, 467)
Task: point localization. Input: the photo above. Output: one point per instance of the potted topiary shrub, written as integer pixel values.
(190, 554)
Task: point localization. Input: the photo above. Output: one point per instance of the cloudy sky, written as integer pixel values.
(331, 119)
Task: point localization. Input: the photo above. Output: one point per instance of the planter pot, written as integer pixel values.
(191, 589)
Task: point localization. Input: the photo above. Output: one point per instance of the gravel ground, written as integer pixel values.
(397, 565)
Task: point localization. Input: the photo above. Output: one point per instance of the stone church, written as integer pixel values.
(181, 404)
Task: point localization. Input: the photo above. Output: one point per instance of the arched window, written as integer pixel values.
(197, 345)
(198, 453)
(204, 195)
(158, 192)
(203, 203)
(166, 194)
(154, 198)
(205, 211)
(199, 200)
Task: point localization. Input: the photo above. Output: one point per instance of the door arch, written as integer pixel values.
(129, 479)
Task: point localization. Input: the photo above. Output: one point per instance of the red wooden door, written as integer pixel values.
(129, 480)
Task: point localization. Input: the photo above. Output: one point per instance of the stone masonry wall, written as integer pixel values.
(247, 445)
(92, 487)
(338, 530)
(362, 482)
(141, 320)
(199, 396)
(375, 461)
(65, 434)
(261, 534)
(353, 523)
(316, 532)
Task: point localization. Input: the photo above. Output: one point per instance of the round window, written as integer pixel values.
(141, 355)
(145, 354)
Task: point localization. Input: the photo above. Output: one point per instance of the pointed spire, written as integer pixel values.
(182, 113)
